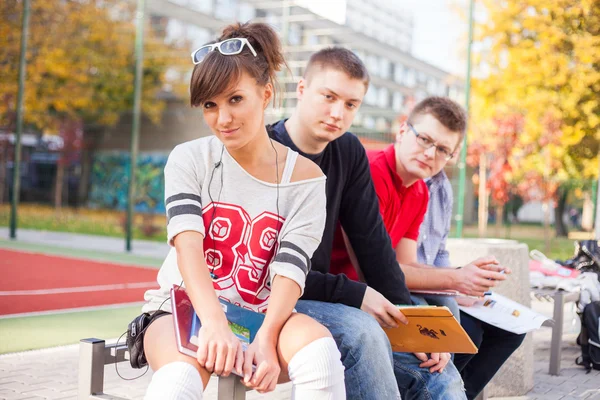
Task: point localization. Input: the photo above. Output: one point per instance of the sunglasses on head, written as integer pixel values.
(229, 47)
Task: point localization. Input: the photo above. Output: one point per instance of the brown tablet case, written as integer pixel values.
(430, 329)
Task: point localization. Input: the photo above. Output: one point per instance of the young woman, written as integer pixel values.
(245, 215)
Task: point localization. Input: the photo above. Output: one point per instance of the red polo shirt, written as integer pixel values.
(402, 208)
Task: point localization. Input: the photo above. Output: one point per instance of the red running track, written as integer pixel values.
(86, 283)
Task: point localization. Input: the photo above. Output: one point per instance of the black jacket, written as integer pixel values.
(351, 200)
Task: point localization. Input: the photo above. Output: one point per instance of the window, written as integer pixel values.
(383, 98)
(398, 73)
(371, 95)
(373, 65)
(432, 86)
(274, 21)
(205, 6)
(410, 78)
(225, 9)
(295, 35)
(312, 40)
(384, 68)
(246, 12)
(397, 102)
(197, 36)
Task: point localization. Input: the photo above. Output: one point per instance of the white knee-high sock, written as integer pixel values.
(176, 380)
(317, 373)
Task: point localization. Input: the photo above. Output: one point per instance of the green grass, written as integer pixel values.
(85, 221)
(560, 248)
(38, 332)
(533, 235)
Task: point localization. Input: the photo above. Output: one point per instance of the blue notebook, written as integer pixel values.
(243, 323)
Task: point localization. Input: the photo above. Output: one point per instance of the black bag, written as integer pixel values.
(135, 340)
(135, 337)
(586, 257)
(591, 249)
(589, 339)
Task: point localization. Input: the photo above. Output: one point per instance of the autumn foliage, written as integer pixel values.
(80, 70)
(536, 95)
(80, 63)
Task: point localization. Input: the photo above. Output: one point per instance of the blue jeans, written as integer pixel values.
(372, 372)
(495, 346)
(417, 383)
(365, 349)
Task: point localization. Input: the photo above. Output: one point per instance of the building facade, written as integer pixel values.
(378, 33)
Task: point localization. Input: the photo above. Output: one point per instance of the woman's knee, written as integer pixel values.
(316, 369)
(298, 332)
(160, 347)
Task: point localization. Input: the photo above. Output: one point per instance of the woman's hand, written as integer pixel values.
(219, 350)
(262, 352)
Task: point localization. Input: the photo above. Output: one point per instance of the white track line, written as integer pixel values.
(97, 288)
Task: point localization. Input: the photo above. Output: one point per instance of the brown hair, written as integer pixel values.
(448, 112)
(218, 72)
(340, 59)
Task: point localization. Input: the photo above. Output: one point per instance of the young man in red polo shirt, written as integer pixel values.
(425, 143)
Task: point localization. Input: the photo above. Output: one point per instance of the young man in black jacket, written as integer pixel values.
(330, 93)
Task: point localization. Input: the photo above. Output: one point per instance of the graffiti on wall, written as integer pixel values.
(108, 184)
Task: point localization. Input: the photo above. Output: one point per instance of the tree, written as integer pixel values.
(541, 60)
(491, 149)
(80, 67)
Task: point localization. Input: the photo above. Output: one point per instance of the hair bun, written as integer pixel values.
(263, 39)
(214, 74)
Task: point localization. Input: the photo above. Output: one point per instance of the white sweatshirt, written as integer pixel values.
(251, 236)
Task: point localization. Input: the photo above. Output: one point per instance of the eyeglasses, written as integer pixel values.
(442, 153)
(229, 47)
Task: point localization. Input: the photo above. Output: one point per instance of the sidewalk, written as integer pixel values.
(52, 373)
(143, 248)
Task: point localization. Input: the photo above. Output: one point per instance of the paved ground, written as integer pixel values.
(52, 373)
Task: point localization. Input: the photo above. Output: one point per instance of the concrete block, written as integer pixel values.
(515, 378)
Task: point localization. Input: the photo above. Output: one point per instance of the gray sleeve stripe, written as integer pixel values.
(292, 246)
(293, 260)
(183, 209)
(182, 196)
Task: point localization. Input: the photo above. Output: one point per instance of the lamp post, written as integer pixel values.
(596, 191)
(16, 183)
(462, 164)
(137, 105)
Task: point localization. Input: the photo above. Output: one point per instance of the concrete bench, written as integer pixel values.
(94, 354)
(515, 378)
(560, 298)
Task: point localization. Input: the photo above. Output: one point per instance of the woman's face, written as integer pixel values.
(236, 116)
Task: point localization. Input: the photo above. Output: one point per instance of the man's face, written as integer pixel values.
(327, 102)
(416, 159)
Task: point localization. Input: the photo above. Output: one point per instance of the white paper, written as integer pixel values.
(506, 314)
